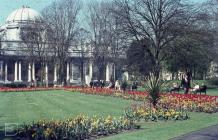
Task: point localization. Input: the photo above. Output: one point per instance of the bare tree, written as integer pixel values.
(83, 38)
(156, 20)
(120, 42)
(37, 38)
(1, 36)
(106, 38)
(62, 18)
(210, 16)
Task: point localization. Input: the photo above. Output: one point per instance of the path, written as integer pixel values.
(209, 133)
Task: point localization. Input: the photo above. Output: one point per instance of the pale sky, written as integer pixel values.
(8, 6)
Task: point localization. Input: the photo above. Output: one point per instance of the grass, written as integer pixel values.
(210, 91)
(213, 91)
(170, 129)
(25, 107)
(22, 107)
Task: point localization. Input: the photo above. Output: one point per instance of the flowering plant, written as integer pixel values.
(139, 112)
(7, 89)
(80, 127)
(191, 102)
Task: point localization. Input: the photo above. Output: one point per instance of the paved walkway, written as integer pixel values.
(209, 133)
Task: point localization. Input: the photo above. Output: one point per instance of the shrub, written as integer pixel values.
(16, 85)
(153, 86)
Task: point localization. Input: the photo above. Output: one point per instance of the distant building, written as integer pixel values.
(14, 63)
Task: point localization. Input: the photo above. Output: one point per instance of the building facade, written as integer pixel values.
(15, 65)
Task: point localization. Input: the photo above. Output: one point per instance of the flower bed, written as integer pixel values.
(139, 112)
(6, 89)
(135, 95)
(191, 102)
(80, 127)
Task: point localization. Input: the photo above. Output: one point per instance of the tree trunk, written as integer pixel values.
(188, 84)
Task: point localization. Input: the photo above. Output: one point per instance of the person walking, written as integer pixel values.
(187, 85)
(117, 85)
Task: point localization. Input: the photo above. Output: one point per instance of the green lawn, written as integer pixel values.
(210, 91)
(167, 130)
(213, 91)
(29, 106)
(26, 107)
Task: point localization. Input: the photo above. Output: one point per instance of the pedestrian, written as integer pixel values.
(91, 84)
(182, 82)
(117, 85)
(187, 85)
(102, 83)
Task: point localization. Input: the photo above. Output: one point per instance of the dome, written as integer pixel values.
(24, 14)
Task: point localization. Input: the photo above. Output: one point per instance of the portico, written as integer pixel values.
(17, 65)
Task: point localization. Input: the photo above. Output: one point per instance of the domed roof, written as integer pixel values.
(24, 14)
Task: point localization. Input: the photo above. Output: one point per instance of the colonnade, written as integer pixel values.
(31, 72)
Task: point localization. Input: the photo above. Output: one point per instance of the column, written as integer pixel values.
(85, 73)
(55, 73)
(1, 70)
(126, 75)
(68, 72)
(15, 72)
(46, 73)
(29, 73)
(90, 70)
(20, 72)
(89, 76)
(114, 71)
(6, 72)
(72, 70)
(33, 72)
(107, 73)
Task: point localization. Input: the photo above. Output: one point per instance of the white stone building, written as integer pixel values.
(15, 66)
